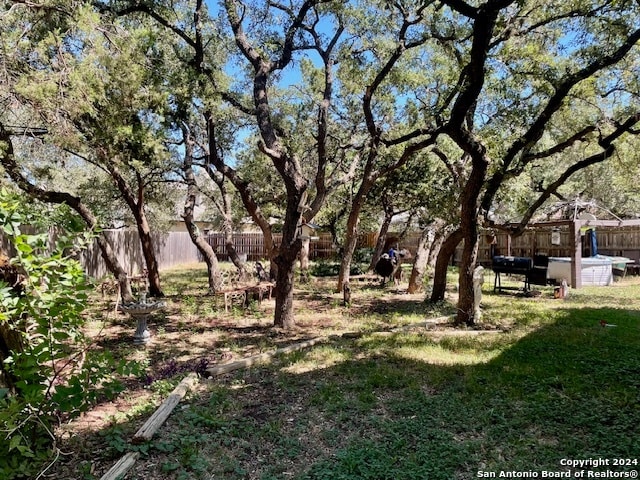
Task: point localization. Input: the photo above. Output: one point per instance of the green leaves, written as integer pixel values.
(51, 372)
(10, 218)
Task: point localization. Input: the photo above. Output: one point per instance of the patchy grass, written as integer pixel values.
(542, 381)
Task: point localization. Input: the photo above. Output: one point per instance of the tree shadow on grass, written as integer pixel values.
(400, 406)
(399, 305)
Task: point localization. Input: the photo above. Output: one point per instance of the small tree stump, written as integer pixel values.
(346, 294)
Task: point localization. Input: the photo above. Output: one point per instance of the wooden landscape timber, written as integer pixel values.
(151, 426)
(159, 417)
(156, 420)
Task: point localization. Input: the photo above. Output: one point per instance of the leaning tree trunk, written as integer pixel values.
(135, 201)
(429, 245)
(146, 242)
(382, 238)
(49, 196)
(420, 262)
(435, 248)
(351, 235)
(230, 248)
(225, 209)
(442, 265)
(227, 229)
(216, 167)
(209, 256)
(148, 251)
(113, 265)
(351, 240)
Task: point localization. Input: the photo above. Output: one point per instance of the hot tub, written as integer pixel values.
(595, 270)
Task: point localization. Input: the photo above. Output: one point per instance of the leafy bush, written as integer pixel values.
(324, 268)
(363, 255)
(50, 372)
(331, 267)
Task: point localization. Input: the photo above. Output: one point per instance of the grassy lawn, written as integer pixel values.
(541, 382)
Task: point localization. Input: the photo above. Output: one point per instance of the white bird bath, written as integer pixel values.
(140, 311)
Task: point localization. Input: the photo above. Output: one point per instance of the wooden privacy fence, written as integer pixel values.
(249, 245)
(171, 248)
(174, 248)
(252, 245)
(611, 240)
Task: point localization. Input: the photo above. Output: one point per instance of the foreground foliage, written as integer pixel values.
(52, 374)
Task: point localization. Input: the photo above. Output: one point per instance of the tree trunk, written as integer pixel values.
(447, 250)
(466, 306)
(215, 167)
(433, 236)
(421, 260)
(230, 248)
(210, 258)
(146, 242)
(304, 259)
(135, 202)
(382, 238)
(113, 265)
(436, 245)
(351, 234)
(48, 196)
(285, 260)
(227, 228)
(284, 315)
(269, 246)
(469, 229)
(350, 242)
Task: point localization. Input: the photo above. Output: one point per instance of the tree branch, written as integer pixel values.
(555, 102)
(608, 148)
(147, 10)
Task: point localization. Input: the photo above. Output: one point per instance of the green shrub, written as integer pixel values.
(50, 373)
(363, 255)
(325, 268)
